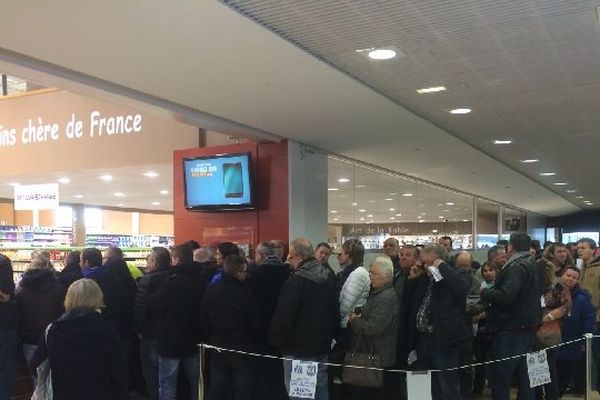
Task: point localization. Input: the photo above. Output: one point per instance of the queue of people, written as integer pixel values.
(413, 308)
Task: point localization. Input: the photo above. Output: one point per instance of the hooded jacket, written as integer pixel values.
(590, 281)
(307, 312)
(39, 301)
(580, 320)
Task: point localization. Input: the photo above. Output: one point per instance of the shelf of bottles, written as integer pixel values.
(12, 236)
(375, 242)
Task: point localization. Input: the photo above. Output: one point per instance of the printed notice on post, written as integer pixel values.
(537, 367)
(303, 382)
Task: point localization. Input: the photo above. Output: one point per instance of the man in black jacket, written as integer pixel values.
(307, 314)
(177, 303)
(231, 319)
(266, 282)
(8, 329)
(145, 321)
(514, 316)
(440, 321)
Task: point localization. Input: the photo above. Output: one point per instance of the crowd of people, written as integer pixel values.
(109, 331)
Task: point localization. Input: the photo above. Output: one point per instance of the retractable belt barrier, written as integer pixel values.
(252, 354)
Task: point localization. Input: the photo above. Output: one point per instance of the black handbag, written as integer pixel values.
(369, 372)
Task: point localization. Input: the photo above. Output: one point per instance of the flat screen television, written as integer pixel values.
(218, 182)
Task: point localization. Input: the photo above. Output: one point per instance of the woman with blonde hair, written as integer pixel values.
(83, 350)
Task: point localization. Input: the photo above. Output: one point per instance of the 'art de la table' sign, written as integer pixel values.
(36, 197)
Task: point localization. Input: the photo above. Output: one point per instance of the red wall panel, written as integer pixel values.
(269, 220)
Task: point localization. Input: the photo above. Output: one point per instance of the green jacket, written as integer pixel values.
(379, 324)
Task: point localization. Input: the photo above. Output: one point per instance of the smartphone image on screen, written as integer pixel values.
(232, 180)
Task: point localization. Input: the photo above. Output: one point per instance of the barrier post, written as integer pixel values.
(588, 366)
(201, 369)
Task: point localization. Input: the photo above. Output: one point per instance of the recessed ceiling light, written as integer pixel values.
(361, 186)
(78, 196)
(343, 180)
(119, 194)
(106, 178)
(156, 203)
(407, 195)
(561, 183)
(434, 231)
(446, 210)
(333, 211)
(572, 191)
(362, 210)
(64, 180)
(13, 184)
(398, 215)
(530, 161)
(389, 199)
(370, 216)
(382, 54)
(421, 220)
(151, 174)
(449, 203)
(579, 197)
(548, 174)
(423, 213)
(459, 111)
(333, 189)
(433, 89)
(392, 209)
(392, 217)
(465, 220)
(393, 194)
(164, 192)
(502, 141)
(441, 217)
(354, 204)
(362, 219)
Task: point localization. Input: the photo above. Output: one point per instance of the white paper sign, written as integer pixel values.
(303, 382)
(36, 197)
(537, 367)
(418, 385)
(437, 275)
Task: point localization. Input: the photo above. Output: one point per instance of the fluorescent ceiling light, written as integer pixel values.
(465, 220)
(434, 231)
(502, 141)
(156, 203)
(370, 216)
(119, 194)
(530, 161)
(106, 178)
(548, 174)
(450, 203)
(151, 174)
(572, 191)
(561, 183)
(579, 197)
(398, 215)
(354, 204)
(164, 192)
(333, 189)
(392, 217)
(64, 180)
(407, 195)
(459, 111)
(78, 196)
(431, 89)
(362, 219)
(441, 217)
(382, 54)
(392, 209)
(333, 211)
(362, 210)
(388, 199)
(421, 220)
(343, 180)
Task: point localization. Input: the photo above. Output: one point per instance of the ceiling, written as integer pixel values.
(528, 69)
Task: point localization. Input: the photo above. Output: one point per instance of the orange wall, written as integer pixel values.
(7, 213)
(268, 221)
(116, 222)
(156, 224)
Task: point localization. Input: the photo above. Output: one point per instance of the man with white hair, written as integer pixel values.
(377, 323)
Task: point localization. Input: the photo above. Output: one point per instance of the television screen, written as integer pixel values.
(222, 181)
